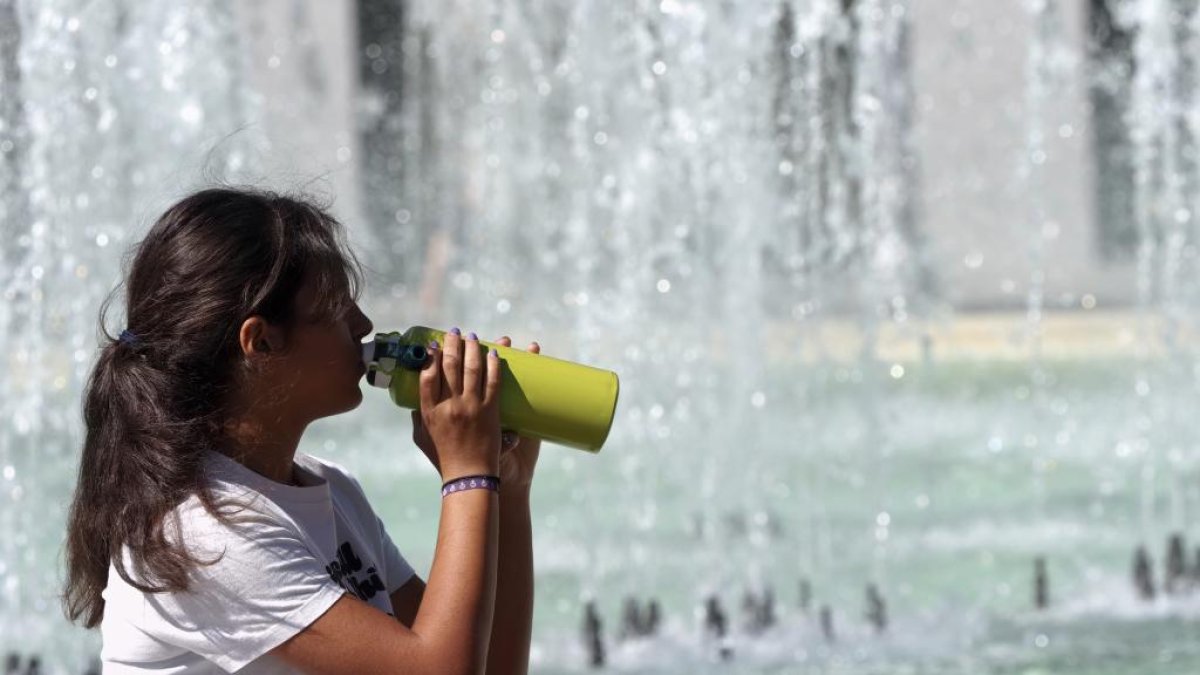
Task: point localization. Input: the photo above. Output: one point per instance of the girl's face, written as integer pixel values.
(318, 373)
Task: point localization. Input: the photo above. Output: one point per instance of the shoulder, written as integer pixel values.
(241, 521)
(341, 480)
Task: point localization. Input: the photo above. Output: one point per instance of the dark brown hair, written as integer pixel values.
(152, 406)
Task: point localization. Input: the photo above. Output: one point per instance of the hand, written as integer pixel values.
(457, 425)
(519, 455)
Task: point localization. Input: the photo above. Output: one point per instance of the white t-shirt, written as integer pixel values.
(299, 549)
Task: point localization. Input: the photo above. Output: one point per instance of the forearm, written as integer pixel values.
(457, 610)
(513, 625)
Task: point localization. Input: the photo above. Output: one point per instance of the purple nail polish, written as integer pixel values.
(495, 353)
(473, 336)
(455, 331)
(433, 344)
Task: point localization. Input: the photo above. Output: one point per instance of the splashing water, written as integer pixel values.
(722, 201)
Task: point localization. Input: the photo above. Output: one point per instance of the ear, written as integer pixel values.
(257, 337)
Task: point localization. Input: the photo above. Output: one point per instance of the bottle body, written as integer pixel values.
(540, 396)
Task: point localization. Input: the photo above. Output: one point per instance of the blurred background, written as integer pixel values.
(902, 295)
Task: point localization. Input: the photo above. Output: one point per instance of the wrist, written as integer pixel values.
(475, 469)
(516, 490)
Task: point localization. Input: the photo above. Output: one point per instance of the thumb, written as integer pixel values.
(419, 431)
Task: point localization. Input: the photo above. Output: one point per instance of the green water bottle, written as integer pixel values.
(540, 396)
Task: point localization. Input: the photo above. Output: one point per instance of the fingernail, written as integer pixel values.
(473, 336)
(433, 344)
(495, 353)
(456, 331)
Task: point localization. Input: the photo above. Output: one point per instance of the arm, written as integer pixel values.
(513, 622)
(407, 600)
(450, 632)
(513, 625)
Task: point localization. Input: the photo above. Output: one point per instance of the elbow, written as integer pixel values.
(465, 667)
(457, 659)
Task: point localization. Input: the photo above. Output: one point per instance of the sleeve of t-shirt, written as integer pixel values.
(395, 566)
(397, 570)
(267, 587)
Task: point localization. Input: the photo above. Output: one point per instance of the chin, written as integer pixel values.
(350, 403)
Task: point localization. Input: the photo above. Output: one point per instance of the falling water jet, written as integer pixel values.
(631, 619)
(1041, 584)
(593, 638)
(827, 624)
(716, 627)
(806, 595)
(876, 609)
(653, 617)
(1143, 574)
(1175, 572)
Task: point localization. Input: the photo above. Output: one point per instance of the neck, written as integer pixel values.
(266, 447)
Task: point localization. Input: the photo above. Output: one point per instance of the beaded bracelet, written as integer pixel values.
(471, 483)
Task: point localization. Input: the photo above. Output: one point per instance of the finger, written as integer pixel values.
(491, 389)
(431, 380)
(535, 348)
(421, 438)
(508, 440)
(472, 366)
(506, 341)
(452, 357)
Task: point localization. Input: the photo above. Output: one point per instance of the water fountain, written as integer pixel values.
(722, 202)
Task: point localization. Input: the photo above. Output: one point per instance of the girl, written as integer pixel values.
(201, 541)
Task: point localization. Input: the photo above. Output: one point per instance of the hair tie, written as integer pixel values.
(128, 337)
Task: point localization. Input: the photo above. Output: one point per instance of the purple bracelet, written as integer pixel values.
(471, 483)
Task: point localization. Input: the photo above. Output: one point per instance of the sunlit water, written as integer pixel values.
(687, 193)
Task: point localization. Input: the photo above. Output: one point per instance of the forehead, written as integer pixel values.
(327, 286)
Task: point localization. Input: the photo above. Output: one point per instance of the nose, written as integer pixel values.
(362, 325)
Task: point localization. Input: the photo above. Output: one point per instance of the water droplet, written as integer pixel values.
(191, 113)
